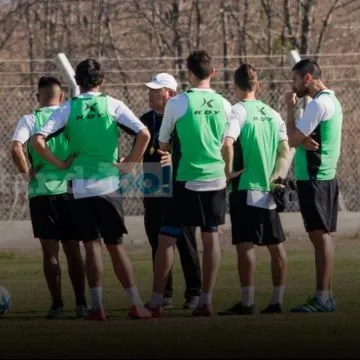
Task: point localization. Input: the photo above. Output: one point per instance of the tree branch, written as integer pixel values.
(325, 26)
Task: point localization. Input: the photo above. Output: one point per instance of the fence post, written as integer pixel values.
(67, 72)
(293, 58)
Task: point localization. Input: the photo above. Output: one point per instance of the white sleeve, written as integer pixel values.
(316, 111)
(175, 108)
(237, 121)
(24, 129)
(57, 121)
(282, 127)
(124, 116)
(228, 109)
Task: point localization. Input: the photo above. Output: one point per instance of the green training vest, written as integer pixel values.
(49, 180)
(256, 147)
(322, 163)
(93, 136)
(200, 132)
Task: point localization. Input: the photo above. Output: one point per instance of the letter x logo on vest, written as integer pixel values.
(263, 115)
(90, 107)
(92, 114)
(208, 104)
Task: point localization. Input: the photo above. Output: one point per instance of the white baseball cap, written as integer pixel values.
(162, 80)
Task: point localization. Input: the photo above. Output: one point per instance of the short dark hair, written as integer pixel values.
(308, 66)
(48, 81)
(200, 64)
(89, 74)
(245, 77)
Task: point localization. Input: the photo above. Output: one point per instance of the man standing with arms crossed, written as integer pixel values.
(90, 122)
(161, 88)
(47, 199)
(317, 137)
(196, 121)
(261, 152)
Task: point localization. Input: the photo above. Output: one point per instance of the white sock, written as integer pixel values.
(134, 296)
(156, 300)
(247, 295)
(205, 299)
(277, 295)
(322, 295)
(96, 298)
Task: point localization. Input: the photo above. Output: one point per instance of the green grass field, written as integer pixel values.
(24, 332)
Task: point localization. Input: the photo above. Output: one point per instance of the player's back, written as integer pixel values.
(49, 180)
(93, 136)
(257, 145)
(200, 132)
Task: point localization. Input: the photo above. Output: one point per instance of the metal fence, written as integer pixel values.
(17, 101)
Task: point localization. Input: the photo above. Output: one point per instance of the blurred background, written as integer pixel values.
(135, 39)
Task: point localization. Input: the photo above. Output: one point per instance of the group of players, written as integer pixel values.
(213, 148)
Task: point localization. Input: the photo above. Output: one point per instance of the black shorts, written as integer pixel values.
(50, 217)
(318, 200)
(195, 208)
(99, 217)
(253, 224)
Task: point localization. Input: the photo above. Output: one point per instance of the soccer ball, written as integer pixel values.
(5, 301)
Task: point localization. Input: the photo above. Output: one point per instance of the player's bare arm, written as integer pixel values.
(296, 137)
(39, 144)
(165, 159)
(164, 146)
(137, 152)
(282, 159)
(309, 144)
(18, 155)
(227, 152)
(165, 152)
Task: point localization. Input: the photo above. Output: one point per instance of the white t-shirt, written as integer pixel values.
(257, 198)
(317, 110)
(25, 127)
(175, 109)
(83, 188)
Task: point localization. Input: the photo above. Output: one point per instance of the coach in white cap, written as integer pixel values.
(163, 80)
(161, 88)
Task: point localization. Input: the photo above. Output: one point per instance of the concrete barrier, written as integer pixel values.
(18, 234)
